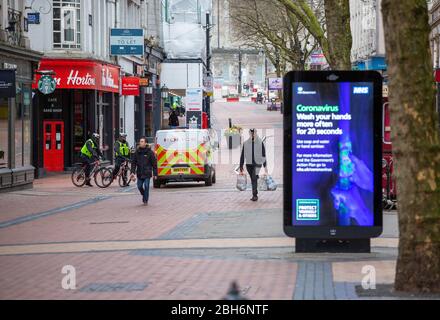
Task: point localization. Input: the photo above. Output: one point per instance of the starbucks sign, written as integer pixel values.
(47, 84)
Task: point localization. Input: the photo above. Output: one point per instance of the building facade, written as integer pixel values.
(236, 69)
(185, 64)
(74, 36)
(368, 51)
(18, 64)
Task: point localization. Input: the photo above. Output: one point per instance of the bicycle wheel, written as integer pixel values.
(78, 177)
(104, 177)
(124, 178)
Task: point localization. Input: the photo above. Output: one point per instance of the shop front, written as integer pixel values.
(17, 69)
(85, 100)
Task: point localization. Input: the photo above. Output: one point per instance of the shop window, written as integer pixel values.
(4, 136)
(79, 123)
(26, 116)
(22, 135)
(67, 24)
(105, 125)
(19, 127)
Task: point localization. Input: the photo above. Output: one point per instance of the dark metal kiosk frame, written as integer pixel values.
(354, 239)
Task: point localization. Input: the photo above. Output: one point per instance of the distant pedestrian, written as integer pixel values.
(173, 120)
(144, 164)
(254, 155)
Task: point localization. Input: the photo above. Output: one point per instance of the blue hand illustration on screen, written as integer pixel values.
(353, 175)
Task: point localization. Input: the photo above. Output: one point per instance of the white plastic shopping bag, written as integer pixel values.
(241, 182)
(262, 183)
(271, 184)
(266, 183)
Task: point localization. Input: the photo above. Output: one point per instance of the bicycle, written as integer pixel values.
(123, 175)
(100, 176)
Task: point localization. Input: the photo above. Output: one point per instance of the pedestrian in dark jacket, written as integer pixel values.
(144, 164)
(173, 120)
(254, 155)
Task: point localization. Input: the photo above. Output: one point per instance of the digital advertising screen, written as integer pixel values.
(334, 155)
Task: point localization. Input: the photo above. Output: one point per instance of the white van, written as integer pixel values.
(184, 155)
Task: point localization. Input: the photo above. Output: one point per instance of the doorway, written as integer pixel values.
(53, 148)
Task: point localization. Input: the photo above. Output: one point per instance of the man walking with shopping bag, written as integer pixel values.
(254, 155)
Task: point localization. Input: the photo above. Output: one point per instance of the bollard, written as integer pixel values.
(230, 138)
(234, 293)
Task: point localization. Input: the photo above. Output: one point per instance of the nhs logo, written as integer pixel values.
(361, 90)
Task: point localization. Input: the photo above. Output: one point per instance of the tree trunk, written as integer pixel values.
(337, 17)
(416, 145)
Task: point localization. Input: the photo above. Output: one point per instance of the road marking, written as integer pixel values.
(84, 247)
(43, 214)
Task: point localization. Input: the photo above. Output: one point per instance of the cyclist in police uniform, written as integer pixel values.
(122, 153)
(90, 153)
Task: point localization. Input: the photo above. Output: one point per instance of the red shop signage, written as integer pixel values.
(437, 75)
(130, 86)
(81, 74)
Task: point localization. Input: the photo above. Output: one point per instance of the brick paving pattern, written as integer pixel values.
(191, 241)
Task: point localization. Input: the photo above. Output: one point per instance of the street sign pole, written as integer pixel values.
(208, 67)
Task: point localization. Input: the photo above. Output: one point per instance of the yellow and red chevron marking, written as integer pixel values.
(194, 158)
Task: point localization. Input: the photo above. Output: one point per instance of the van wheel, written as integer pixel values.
(214, 178)
(156, 184)
(208, 181)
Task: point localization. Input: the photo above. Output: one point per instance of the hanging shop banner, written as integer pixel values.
(47, 84)
(194, 99)
(127, 42)
(81, 74)
(130, 86)
(333, 124)
(144, 82)
(7, 84)
(194, 119)
(275, 83)
(33, 17)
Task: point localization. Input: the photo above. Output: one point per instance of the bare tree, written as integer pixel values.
(333, 36)
(267, 25)
(416, 144)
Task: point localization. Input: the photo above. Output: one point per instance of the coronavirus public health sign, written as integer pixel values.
(333, 155)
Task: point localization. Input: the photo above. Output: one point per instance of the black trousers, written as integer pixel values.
(88, 163)
(253, 172)
(118, 163)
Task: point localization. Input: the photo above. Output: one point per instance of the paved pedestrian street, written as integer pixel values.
(190, 242)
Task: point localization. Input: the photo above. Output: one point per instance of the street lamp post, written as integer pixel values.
(239, 71)
(165, 92)
(208, 66)
(157, 113)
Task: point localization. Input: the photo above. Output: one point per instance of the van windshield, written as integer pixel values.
(181, 140)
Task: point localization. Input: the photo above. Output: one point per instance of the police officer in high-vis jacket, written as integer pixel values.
(122, 152)
(90, 153)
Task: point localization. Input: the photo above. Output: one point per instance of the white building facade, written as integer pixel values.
(74, 36)
(17, 69)
(368, 51)
(185, 45)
